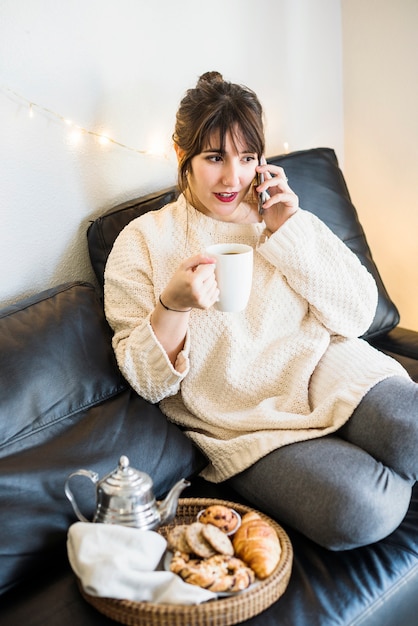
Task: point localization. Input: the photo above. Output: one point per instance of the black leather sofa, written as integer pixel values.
(64, 405)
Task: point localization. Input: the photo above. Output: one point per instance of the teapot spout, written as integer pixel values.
(168, 507)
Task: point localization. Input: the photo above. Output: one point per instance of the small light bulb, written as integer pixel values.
(103, 140)
(75, 136)
(158, 147)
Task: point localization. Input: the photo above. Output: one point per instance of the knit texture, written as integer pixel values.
(289, 368)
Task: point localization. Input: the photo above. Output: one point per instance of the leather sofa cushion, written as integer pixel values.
(64, 406)
(55, 361)
(315, 177)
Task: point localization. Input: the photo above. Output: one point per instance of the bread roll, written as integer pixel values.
(257, 544)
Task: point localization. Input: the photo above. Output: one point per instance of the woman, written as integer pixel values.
(304, 419)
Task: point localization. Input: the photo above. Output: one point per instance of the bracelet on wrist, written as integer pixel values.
(175, 310)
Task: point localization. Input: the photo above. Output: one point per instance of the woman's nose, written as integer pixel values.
(230, 175)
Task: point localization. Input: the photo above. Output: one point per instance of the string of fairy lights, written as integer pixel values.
(76, 131)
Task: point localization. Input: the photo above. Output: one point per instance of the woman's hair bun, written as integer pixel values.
(210, 77)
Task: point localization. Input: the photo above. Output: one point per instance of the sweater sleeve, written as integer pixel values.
(340, 291)
(129, 300)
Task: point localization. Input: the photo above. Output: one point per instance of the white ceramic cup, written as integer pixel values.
(234, 275)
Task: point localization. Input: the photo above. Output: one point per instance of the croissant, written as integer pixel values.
(257, 544)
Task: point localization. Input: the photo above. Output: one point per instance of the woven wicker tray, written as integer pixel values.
(220, 612)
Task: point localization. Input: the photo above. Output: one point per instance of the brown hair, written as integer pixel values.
(216, 106)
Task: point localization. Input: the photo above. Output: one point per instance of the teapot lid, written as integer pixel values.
(126, 479)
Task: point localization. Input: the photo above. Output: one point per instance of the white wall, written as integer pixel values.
(380, 44)
(120, 67)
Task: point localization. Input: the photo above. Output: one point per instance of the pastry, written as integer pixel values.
(217, 539)
(193, 571)
(257, 544)
(219, 573)
(176, 539)
(197, 542)
(221, 516)
(232, 574)
(203, 540)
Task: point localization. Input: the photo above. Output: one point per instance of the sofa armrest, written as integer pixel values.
(400, 341)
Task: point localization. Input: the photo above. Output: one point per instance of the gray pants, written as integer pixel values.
(351, 488)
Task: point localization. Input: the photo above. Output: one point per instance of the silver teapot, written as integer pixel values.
(125, 497)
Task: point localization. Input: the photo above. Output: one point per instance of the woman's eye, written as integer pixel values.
(249, 158)
(215, 158)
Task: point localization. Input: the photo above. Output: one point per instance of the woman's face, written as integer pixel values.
(218, 182)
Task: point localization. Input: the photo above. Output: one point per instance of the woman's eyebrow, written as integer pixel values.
(218, 150)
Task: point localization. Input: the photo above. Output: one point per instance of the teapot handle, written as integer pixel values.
(93, 476)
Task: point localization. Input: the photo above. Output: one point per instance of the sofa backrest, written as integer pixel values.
(316, 178)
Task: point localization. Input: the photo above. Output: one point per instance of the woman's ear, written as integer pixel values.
(179, 152)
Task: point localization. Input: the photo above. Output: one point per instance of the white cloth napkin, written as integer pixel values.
(120, 562)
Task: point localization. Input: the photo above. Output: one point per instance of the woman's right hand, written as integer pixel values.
(193, 285)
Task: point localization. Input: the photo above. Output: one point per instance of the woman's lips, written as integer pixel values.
(226, 197)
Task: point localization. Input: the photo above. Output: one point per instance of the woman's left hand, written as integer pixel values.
(283, 202)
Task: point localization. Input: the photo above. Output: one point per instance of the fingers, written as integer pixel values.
(283, 202)
(277, 186)
(193, 284)
(195, 261)
(208, 294)
(204, 286)
(274, 176)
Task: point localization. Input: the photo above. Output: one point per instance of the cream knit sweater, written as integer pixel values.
(288, 368)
